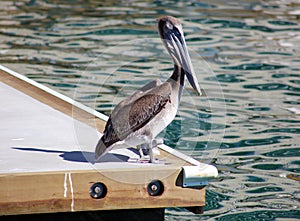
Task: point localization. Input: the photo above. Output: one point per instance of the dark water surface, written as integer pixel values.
(248, 123)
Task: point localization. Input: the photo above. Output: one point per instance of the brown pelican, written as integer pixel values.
(138, 119)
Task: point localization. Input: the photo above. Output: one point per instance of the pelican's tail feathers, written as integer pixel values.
(100, 150)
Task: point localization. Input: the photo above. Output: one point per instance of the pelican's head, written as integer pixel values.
(171, 33)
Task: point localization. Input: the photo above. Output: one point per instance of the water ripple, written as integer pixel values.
(272, 87)
(261, 214)
(255, 66)
(244, 124)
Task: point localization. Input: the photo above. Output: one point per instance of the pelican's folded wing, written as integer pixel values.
(128, 118)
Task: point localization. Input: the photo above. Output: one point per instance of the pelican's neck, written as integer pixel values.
(177, 81)
(178, 75)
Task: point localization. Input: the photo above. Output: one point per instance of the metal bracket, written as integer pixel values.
(196, 176)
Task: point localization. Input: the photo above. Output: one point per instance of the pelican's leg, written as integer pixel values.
(142, 148)
(141, 152)
(151, 155)
(153, 151)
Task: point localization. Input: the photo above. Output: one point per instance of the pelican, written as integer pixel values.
(137, 120)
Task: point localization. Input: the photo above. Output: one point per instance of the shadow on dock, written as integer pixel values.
(79, 156)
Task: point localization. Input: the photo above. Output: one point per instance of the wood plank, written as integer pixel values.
(69, 191)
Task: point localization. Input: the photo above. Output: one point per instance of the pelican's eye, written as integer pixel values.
(169, 25)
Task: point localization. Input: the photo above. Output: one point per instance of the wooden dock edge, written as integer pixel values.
(69, 191)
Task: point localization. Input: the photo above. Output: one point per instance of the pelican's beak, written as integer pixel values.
(175, 43)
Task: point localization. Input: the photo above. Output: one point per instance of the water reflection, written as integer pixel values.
(252, 48)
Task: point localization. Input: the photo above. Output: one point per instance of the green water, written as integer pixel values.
(248, 123)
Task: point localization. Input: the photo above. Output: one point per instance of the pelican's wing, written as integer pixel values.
(131, 116)
(139, 93)
(144, 109)
(150, 85)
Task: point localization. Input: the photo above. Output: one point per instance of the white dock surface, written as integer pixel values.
(36, 138)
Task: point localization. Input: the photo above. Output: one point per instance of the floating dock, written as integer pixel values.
(47, 162)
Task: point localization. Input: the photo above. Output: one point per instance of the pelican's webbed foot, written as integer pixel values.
(148, 152)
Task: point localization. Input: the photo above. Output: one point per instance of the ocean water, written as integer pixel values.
(247, 58)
